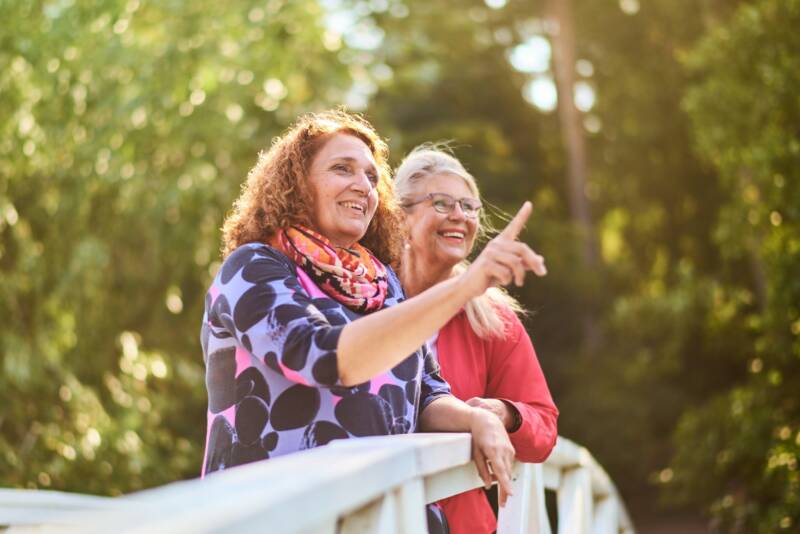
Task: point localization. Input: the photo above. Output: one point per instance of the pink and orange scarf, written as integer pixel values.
(351, 276)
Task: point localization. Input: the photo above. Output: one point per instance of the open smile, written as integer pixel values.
(357, 207)
(453, 235)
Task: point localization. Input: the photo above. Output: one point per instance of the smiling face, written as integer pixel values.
(343, 179)
(441, 240)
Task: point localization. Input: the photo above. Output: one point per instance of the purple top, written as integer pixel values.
(269, 339)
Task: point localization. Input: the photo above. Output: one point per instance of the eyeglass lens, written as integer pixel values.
(444, 203)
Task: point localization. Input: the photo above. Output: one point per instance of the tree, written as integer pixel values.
(127, 129)
(739, 451)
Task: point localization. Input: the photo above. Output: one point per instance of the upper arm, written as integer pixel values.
(257, 299)
(514, 371)
(516, 376)
(433, 385)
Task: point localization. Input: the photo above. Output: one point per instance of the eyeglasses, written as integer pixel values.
(444, 203)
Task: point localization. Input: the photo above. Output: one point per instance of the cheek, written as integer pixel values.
(470, 237)
(417, 228)
(430, 227)
(374, 203)
(317, 197)
(472, 228)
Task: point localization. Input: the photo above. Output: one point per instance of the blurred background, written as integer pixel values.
(659, 141)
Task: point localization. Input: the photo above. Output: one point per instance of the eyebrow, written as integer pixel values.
(349, 159)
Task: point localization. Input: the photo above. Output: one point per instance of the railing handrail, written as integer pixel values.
(366, 485)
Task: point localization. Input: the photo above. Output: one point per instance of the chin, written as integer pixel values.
(354, 236)
(450, 259)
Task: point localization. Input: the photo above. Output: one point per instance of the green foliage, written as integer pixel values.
(678, 293)
(127, 129)
(740, 450)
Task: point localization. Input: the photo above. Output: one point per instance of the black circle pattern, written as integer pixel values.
(253, 306)
(220, 371)
(321, 433)
(250, 382)
(407, 369)
(361, 413)
(234, 263)
(220, 442)
(295, 407)
(252, 415)
(325, 370)
(292, 400)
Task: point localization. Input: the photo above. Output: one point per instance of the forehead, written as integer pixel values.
(346, 146)
(451, 184)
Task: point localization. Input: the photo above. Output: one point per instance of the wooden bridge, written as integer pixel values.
(366, 485)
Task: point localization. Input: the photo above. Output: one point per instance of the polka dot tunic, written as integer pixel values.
(269, 338)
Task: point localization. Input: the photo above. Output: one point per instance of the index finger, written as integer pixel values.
(518, 222)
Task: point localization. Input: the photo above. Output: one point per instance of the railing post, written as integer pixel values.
(575, 502)
(378, 517)
(606, 516)
(411, 504)
(525, 512)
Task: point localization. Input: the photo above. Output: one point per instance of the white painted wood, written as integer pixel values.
(379, 517)
(286, 494)
(525, 511)
(411, 507)
(552, 477)
(575, 502)
(605, 516)
(327, 526)
(452, 482)
(35, 507)
(367, 485)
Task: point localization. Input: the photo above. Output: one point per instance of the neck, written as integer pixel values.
(417, 275)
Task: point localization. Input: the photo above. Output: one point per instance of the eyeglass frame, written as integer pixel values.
(451, 206)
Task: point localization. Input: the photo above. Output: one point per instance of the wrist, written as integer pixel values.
(512, 419)
(477, 417)
(463, 287)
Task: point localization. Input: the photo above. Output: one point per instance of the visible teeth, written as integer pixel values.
(454, 234)
(354, 206)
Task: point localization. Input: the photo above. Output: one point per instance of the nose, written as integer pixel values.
(362, 183)
(458, 213)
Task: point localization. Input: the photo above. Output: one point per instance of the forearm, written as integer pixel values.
(446, 414)
(492, 451)
(376, 343)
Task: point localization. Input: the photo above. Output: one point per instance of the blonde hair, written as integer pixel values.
(277, 195)
(431, 159)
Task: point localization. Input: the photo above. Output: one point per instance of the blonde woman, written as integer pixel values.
(484, 352)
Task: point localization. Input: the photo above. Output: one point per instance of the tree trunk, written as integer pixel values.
(563, 40)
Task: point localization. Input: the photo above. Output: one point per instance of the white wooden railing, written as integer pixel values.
(369, 485)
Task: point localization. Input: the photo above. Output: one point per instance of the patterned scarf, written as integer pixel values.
(353, 277)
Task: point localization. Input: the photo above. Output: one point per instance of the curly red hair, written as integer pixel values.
(277, 194)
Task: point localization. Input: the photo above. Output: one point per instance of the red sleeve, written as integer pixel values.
(515, 376)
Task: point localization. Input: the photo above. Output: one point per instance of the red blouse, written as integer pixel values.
(500, 368)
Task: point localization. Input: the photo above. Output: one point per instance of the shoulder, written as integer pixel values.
(395, 289)
(513, 328)
(458, 330)
(255, 262)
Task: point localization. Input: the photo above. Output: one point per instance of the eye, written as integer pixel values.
(440, 203)
(373, 178)
(340, 167)
(470, 206)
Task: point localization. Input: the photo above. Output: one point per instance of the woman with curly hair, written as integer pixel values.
(484, 352)
(307, 336)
